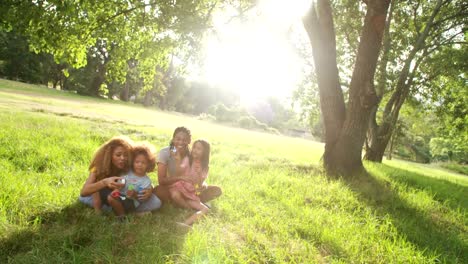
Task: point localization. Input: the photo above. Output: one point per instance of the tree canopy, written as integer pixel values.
(142, 31)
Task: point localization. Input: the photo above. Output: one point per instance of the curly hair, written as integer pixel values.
(148, 150)
(102, 165)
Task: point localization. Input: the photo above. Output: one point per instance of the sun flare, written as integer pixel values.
(256, 58)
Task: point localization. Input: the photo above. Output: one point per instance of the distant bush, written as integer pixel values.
(239, 116)
(227, 114)
(247, 122)
(262, 126)
(205, 116)
(274, 130)
(443, 149)
(463, 169)
(222, 113)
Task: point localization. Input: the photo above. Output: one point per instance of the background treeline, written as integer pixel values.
(171, 90)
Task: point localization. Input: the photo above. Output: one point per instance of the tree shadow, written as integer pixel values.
(428, 231)
(444, 191)
(76, 234)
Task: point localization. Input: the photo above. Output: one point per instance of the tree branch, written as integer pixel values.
(123, 12)
(459, 14)
(416, 17)
(446, 42)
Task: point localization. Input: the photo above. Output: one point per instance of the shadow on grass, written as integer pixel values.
(428, 231)
(76, 234)
(443, 190)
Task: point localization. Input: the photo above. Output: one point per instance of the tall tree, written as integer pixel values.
(418, 31)
(345, 126)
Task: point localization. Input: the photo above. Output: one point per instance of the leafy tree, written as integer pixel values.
(19, 63)
(452, 113)
(90, 79)
(345, 127)
(416, 32)
(410, 139)
(144, 31)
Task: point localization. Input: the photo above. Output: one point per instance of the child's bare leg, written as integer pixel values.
(97, 203)
(201, 211)
(116, 206)
(178, 199)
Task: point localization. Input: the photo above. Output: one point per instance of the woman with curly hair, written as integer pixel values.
(110, 162)
(127, 199)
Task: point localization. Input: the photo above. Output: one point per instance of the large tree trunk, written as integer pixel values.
(372, 133)
(318, 23)
(381, 135)
(390, 147)
(378, 144)
(148, 100)
(98, 80)
(125, 93)
(345, 132)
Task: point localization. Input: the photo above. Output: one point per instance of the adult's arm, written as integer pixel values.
(91, 186)
(163, 177)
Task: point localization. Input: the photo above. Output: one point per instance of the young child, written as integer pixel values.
(126, 200)
(186, 193)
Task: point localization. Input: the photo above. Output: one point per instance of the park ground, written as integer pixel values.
(278, 206)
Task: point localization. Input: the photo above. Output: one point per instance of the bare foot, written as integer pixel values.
(183, 227)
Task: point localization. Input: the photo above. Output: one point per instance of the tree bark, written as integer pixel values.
(345, 131)
(98, 80)
(390, 148)
(372, 133)
(318, 23)
(124, 94)
(148, 100)
(381, 135)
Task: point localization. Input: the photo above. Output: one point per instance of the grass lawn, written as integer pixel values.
(277, 206)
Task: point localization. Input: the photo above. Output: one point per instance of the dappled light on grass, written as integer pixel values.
(277, 206)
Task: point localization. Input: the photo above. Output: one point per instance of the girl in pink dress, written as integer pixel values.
(185, 193)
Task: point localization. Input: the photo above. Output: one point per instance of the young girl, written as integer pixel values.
(185, 193)
(126, 199)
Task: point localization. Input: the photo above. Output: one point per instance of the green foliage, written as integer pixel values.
(196, 97)
(146, 31)
(205, 116)
(273, 130)
(443, 149)
(274, 114)
(460, 168)
(247, 122)
(18, 63)
(442, 54)
(226, 114)
(238, 116)
(276, 206)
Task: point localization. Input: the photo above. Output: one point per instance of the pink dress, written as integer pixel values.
(191, 189)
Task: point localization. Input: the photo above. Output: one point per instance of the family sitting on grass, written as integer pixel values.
(118, 178)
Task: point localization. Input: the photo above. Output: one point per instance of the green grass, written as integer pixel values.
(463, 169)
(277, 205)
